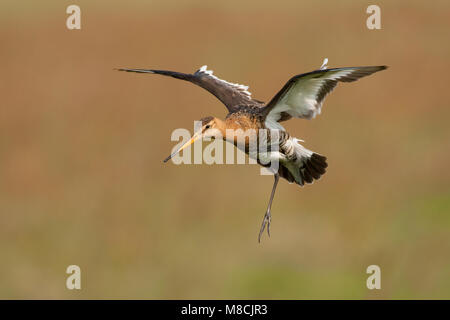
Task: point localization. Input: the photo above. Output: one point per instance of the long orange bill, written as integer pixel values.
(187, 144)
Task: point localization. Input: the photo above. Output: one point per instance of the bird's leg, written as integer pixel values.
(268, 217)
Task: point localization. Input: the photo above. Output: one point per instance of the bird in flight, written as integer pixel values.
(301, 97)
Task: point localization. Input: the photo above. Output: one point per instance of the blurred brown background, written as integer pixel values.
(81, 147)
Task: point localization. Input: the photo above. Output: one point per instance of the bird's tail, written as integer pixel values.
(308, 166)
(313, 168)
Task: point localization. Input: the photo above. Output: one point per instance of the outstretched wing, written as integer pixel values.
(231, 94)
(302, 96)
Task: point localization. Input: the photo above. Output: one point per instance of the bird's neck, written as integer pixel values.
(222, 127)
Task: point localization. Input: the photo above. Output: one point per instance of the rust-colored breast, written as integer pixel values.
(247, 117)
(246, 121)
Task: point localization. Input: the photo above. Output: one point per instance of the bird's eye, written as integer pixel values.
(207, 126)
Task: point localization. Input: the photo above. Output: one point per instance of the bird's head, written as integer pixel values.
(210, 127)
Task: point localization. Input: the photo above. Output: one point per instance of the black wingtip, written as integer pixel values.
(139, 70)
(374, 68)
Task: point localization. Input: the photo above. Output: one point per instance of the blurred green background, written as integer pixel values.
(81, 147)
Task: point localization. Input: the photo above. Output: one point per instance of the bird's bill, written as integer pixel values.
(187, 144)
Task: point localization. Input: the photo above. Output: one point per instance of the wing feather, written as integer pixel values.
(303, 95)
(230, 94)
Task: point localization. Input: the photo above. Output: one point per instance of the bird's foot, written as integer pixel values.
(266, 221)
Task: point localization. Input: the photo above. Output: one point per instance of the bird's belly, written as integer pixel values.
(271, 146)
